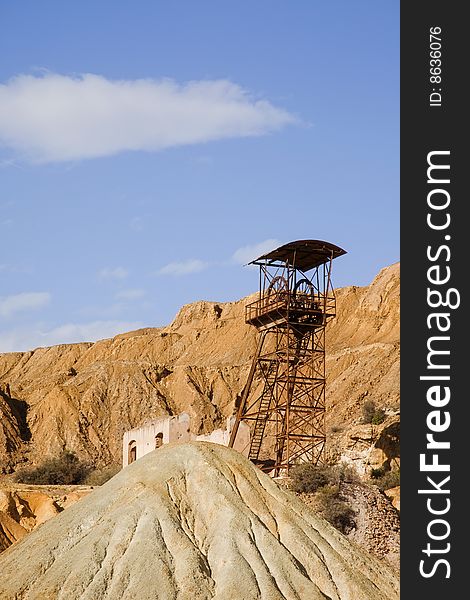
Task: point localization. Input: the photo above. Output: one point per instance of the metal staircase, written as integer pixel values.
(264, 409)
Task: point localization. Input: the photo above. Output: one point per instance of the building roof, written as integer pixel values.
(301, 254)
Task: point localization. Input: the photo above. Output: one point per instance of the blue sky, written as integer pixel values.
(148, 148)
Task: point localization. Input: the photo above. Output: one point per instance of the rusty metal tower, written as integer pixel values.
(283, 400)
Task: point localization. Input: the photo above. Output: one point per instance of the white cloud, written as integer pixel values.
(246, 254)
(115, 273)
(95, 330)
(8, 162)
(22, 339)
(192, 265)
(9, 268)
(131, 294)
(55, 117)
(25, 301)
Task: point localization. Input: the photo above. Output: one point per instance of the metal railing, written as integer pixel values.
(295, 303)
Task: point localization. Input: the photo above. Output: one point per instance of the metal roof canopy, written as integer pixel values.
(301, 254)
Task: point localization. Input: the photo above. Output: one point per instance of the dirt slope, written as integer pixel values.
(196, 521)
(25, 507)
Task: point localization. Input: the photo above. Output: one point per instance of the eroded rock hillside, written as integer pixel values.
(84, 396)
(25, 507)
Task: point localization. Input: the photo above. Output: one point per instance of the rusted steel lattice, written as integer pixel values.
(284, 397)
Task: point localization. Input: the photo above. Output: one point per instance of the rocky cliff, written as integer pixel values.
(84, 396)
(25, 507)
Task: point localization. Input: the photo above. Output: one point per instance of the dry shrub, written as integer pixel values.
(308, 478)
(65, 469)
(101, 476)
(372, 414)
(325, 483)
(385, 480)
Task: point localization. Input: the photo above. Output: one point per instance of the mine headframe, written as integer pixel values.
(283, 400)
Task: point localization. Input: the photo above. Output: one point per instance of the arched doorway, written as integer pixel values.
(132, 452)
(158, 440)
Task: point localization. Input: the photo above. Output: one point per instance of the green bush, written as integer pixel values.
(385, 480)
(371, 414)
(377, 473)
(65, 469)
(379, 417)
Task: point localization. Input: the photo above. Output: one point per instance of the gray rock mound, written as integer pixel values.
(191, 522)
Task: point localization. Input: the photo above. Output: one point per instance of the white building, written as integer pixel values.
(169, 430)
